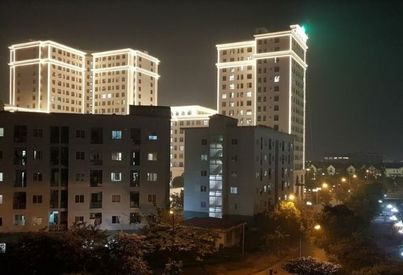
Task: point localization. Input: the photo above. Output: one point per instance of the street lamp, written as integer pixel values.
(325, 185)
(343, 179)
(317, 227)
(291, 197)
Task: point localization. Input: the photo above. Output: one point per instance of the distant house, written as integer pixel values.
(351, 170)
(230, 233)
(393, 170)
(331, 170)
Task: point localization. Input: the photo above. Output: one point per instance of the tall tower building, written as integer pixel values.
(262, 82)
(46, 76)
(122, 78)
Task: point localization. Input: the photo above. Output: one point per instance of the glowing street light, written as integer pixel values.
(291, 197)
(393, 218)
(325, 185)
(309, 203)
(355, 176)
(343, 179)
(317, 227)
(394, 210)
(380, 201)
(389, 206)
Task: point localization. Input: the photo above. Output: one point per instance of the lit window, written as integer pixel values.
(19, 220)
(231, 77)
(203, 157)
(116, 134)
(116, 176)
(249, 94)
(181, 148)
(1, 176)
(224, 96)
(232, 86)
(152, 176)
(152, 156)
(205, 122)
(1, 199)
(234, 190)
(117, 156)
(152, 136)
(277, 78)
(1, 132)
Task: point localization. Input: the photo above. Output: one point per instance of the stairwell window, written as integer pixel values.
(116, 176)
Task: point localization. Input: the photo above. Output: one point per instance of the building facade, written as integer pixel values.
(183, 117)
(59, 169)
(262, 82)
(46, 76)
(236, 171)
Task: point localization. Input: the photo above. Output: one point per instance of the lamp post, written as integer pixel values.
(316, 227)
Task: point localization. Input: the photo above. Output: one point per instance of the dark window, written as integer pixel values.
(276, 69)
(96, 136)
(64, 157)
(37, 176)
(80, 155)
(276, 88)
(54, 199)
(204, 141)
(64, 177)
(95, 178)
(20, 133)
(63, 199)
(37, 132)
(135, 135)
(19, 200)
(37, 199)
(79, 198)
(54, 177)
(54, 155)
(65, 135)
(234, 141)
(203, 173)
(80, 134)
(20, 178)
(96, 200)
(54, 134)
(134, 199)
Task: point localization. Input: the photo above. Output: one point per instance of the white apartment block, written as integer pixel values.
(183, 117)
(233, 171)
(46, 76)
(57, 169)
(262, 82)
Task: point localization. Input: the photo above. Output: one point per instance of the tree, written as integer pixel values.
(126, 255)
(177, 201)
(281, 226)
(171, 242)
(311, 266)
(177, 182)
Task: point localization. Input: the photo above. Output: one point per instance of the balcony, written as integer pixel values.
(96, 204)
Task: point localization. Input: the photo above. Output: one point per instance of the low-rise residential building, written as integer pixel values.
(57, 169)
(183, 117)
(236, 171)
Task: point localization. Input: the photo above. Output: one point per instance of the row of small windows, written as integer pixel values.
(61, 134)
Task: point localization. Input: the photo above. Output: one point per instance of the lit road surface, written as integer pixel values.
(388, 228)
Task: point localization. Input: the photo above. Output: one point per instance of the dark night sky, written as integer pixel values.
(354, 79)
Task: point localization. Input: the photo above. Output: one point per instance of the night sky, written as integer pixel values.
(354, 78)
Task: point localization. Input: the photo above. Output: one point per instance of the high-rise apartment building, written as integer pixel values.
(47, 76)
(236, 171)
(57, 169)
(50, 77)
(122, 78)
(262, 82)
(183, 117)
